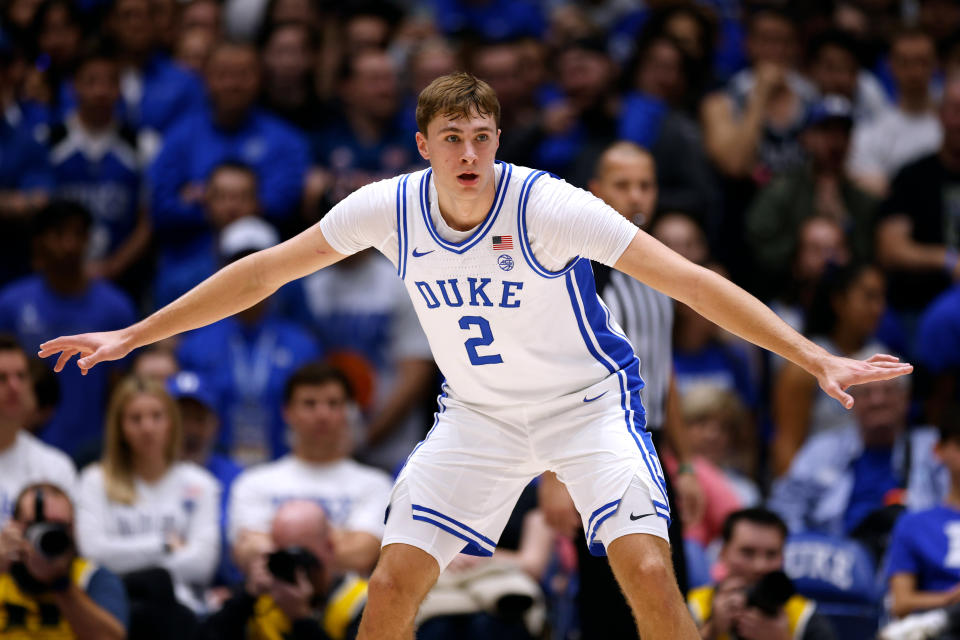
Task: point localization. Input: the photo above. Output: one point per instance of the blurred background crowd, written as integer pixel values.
(234, 480)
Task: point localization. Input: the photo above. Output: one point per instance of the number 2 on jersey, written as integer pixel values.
(485, 340)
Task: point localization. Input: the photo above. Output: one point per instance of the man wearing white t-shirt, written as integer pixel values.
(316, 406)
(24, 460)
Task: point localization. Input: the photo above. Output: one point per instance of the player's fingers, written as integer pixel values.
(62, 343)
(834, 391)
(64, 359)
(883, 357)
(88, 361)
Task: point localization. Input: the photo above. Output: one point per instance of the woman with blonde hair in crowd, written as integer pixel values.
(142, 513)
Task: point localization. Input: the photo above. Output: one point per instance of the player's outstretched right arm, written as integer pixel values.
(235, 287)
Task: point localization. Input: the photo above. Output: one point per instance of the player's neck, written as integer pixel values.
(67, 283)
(953, 496)
(464, 214)
(317, 456)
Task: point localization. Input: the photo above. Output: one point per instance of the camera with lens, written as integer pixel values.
(770, 593)
(283, 563)
(52, 539)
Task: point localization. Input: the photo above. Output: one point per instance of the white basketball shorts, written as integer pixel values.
(459, 486)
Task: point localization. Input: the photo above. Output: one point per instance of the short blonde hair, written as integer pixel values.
(117, 460)
(458, 95)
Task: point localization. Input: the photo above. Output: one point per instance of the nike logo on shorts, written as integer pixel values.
(586, 399)
(418, 254)
(633, 517)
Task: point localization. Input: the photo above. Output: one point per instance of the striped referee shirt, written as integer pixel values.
(646, 316)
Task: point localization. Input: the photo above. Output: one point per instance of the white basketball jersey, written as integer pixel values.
(503, 329)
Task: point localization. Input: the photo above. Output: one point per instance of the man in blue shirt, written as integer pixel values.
(61, 297)
(841, 476)
(156, 92)
(230, 129)
(368, 141)
(95, 162)
(923, 566)
(247, 359)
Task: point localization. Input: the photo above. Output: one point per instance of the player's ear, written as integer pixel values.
(422, 146)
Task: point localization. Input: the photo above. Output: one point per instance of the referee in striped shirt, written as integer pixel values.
(625, 178)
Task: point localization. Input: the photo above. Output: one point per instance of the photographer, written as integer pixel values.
(291, 590)
(755, 600)
(46, 590)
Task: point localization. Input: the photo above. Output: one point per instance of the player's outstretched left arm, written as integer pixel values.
(729, 306)
(234, 288)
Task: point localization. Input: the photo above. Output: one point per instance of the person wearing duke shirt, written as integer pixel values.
(139, 508)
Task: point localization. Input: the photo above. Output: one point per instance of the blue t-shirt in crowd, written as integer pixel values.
(166, 91)
(491, 19)
(103, 174)
(191, 150)
(938, 337)
(23, 160)
(926, 544)
(355, 162)
(248, 367)
(34, 313)
(718, 364)
(873, 477)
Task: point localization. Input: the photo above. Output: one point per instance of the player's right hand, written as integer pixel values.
(92, 348)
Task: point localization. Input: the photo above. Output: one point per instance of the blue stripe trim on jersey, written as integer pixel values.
(598, 511)
(402, 238)
(476, 534)
(499, 198)
(616, 354)
(524, 240)
(472, 548)
(597, 548)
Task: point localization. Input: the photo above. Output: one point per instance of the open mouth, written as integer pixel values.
(468, 178)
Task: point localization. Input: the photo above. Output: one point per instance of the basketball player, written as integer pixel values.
(496, 260)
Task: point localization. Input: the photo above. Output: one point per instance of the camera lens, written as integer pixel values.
(53, 543)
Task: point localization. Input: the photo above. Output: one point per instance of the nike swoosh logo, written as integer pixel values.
(586, 399)
(633, 517)
(418, 254)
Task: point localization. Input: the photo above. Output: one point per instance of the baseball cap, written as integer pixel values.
(831, 107)
(246, 235)
(191, 385)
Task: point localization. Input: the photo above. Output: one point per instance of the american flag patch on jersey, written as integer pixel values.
(501, 243)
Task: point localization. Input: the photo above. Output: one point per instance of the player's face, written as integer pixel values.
(754, 551)
(629, 185)
(949, 453)
(461, 152)
(146, 425)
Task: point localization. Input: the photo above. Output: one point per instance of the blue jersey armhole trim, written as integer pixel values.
(402, 239)
(525, 247)
(498, 199)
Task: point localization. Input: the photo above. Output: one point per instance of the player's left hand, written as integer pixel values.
(837, 374)
(690, 497)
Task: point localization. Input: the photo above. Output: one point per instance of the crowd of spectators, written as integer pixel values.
(237, 477)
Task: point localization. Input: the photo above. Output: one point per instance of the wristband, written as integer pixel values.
(950, 260)
(684, 467)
